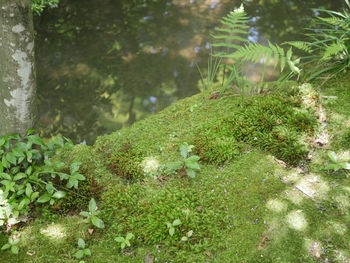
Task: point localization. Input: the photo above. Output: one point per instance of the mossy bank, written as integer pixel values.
(236, 208)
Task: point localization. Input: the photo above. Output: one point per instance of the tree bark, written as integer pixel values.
(17, 67)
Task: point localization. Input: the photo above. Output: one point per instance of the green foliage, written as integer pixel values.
(327, 44)
(189, 163)
(30, 176)
(241, 49)
(276, 124)
(92, 214)
(38, 6)
(82, 250)
(171, 226)
(335, 163)
(124, 241)
(12, 245)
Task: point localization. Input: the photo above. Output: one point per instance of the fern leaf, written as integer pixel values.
(333, 49)
(228, 45)
(275, 54)
(304, 46)
(282, 57)
(232, 29)
(238, 38)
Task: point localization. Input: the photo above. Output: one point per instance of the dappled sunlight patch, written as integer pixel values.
(276, 205)
(296, 220)
(347, 188)
(337, 228)
(54, 231)
(343, 203)
(313, 186)
(292, 177)
(342, 256)
(295, 196)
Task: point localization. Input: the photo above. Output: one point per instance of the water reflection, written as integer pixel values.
(104, 64)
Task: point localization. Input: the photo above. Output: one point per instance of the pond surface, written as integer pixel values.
(103, 64)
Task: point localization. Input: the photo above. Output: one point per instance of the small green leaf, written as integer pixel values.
(189, 233)
(174, 165)
(5, 162)
(87, 252)
(59, 194)
(97, 222)
(74, 167)
(14, 250)
(129, 236)
(119, 239)
(11, 158)
(6, 176)
(6, 246)
(81, 243)
(79, 254)
(44, 198)
(177, 222)
(184, 150)
(85, 214)
(184, 239)
(19, 176)
(171, 231)
(29, 189)
(192, 164)
(92, 205)
(191, 173)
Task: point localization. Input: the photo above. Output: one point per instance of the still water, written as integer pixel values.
(103, 64)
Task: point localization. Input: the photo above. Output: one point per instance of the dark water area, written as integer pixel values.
(104, 64)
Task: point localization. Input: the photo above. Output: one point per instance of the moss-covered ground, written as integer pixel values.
(244, 205)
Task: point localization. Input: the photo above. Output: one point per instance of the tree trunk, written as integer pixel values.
(17, 71)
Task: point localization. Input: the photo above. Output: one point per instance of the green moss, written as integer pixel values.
(272, 123)
(217, 204)
(125, 163)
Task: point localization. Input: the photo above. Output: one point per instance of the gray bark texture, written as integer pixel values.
(17, 67)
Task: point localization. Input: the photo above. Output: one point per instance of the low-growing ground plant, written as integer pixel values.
(83, 251)
(335, 163)
(172, 226)
(12, 245)
(189, 163)
(91, 215)
(124, 241)
(29, 176)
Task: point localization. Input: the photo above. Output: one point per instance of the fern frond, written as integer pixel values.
(232, 29)
(333, 49)
(256, 53)
(304, 46)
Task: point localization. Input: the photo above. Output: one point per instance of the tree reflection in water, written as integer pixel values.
(104, 64)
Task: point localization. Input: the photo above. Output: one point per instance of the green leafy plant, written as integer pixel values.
(232, 40)
(187, 236)
(82, 250)
(38, 6)
(91, 215)
(328, 43)
(29, 175)
(12, 245)
(171, 226)
(189, 163)
(124, 241)
(336, 164)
